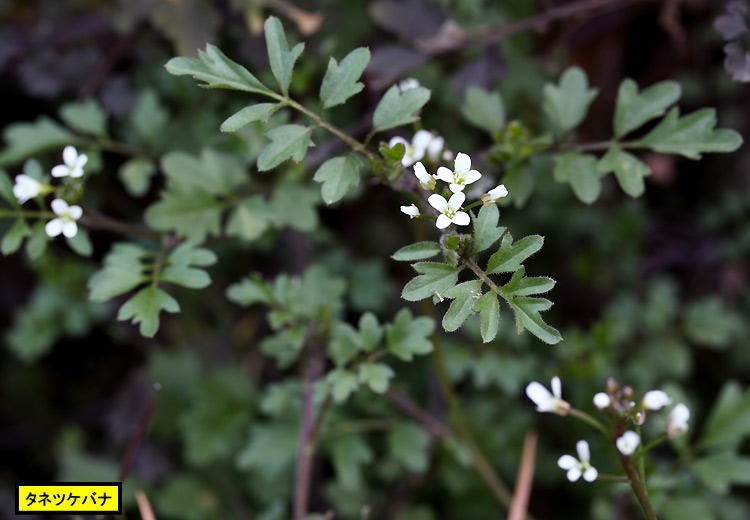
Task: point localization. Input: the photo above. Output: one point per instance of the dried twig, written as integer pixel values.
(144, 506)
(433, 426)
(520, 503)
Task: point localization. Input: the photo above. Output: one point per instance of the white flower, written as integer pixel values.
(461, 175)
(426, 180)
(495, 194)
(628, 442)
(411, 210)
(435, 147)
(448, 155)
(407, 84)
(449, 210)
(677, 421)
(602, 401)
(26, 188)
(581, 465)
(73, 164)
(656, 400)
(65, 222)
(545, 400)
(423, 142)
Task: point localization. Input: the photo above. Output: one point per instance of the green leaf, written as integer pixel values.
(287, 142)
(338, 176)
(634, 109)
(28, 139)
(408, 336)
(81, 243)
(13, 238)
(217, 71)
(86, 117)
(36, 245)
(581, 172)
(251, 289)
(527, 311)
(136, 175)
(271, 449)
(341, 80)
(710, 322)
(434, 277)
(629, 170)
(509, 257)
(149, 118)
(375, 375)
(211, 172)
(691, 135)
(486, 230)
(249, 114)
(250, 218)
(408, 444)
(464, 297)
(566, 104)
(721, 470)
(193, 214)
(280, 57)
(416, 251)
(181, 266)
(342, 383)
(122, 271)
(370, 331)
(488, 308)
(144, 309)
(729, 421)
(294, 205)
(519, 285)
(484, 109)
(350, 453)
(399, 108)
(6, 188)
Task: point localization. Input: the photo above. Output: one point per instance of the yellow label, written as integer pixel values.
(69, 497)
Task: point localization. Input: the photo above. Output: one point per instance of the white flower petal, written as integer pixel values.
(59, 206)
(444, 174)
(556, 386)
(70, 229)
(435, 147)
(574, 474)
(54, 227)
(656, 400)
(443, 222)
(75, 212)
(82, 160)
(411, 210)
(70, 156)
(567, 462)
(602, 401)
(457, 200)
(582, 447)
(421, 140)
(462, 163)
(456, 188)
(590, 474)
(395, 140)
(438, 202)
(421, 172)
(628, 442)
(498, 192)
(461, 218)
(538, 393)
(472, 176)
(60, 171)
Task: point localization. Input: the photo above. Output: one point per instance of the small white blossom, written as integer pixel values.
(408, 84)
(450, 210)
(410, 210)
(73, 164)
(495, 194)
(677, 421)
(65, 222)
(547, 401)
(461, 175)
(426, 180)
(26, 188)
(656, 400)
(581, 465)
(602, 401)
(422, 143)
(435, 147)
(628, 442)
(448, 155)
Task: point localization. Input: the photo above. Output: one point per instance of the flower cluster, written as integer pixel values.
(27, 188)
(451, 210)
(617, 402)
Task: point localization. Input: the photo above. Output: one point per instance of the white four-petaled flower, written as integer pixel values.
(26, 188)
(461, 175)
(410, 210)
(602, 400)
(65, 222)
(656, 400)
(425, 179)
(450, 210)
(495, 194)
(628, 442)
(423, 143)
(580, 466)
(73, 164)
(545, 400)
(677, 421)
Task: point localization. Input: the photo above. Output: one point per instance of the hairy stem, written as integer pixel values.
(638, 488)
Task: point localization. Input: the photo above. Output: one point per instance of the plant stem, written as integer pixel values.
(21, 213)
(638, 488)
(583, 416)
(640, 460)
